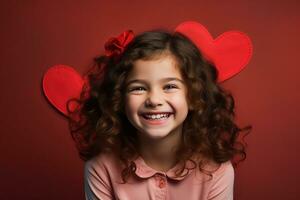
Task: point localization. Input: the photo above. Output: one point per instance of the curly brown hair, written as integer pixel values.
(99, 124)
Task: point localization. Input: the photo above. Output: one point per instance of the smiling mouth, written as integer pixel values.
(154, 117)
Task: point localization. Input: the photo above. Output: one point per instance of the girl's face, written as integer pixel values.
(156, 102)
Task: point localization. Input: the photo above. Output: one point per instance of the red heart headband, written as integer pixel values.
(230, 52)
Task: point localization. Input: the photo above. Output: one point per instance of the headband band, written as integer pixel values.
(230, 53)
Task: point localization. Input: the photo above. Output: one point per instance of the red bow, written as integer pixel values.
(116, 45)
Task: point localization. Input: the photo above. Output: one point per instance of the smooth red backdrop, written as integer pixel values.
(38, 157)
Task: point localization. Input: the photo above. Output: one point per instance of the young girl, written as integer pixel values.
(155, 124)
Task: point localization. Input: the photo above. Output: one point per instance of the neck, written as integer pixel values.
(160, 154)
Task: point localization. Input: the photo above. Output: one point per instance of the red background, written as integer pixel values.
(38, 157)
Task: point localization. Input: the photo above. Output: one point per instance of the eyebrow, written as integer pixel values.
(167, 79)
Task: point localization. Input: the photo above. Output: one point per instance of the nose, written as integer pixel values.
(154, 99)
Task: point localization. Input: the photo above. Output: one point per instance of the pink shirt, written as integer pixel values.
(102, 180)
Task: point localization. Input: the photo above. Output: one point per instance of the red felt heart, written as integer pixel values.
(61, 83)
(230, 52)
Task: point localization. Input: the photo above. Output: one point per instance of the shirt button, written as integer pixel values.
(162, 183)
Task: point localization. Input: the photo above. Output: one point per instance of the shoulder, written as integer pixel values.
(99, 173)
(219, 170)
(222, 182)
(99, 159)
(102, 164)
(225, 170)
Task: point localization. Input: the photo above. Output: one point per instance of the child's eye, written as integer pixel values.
(136, 89)
(171, 86)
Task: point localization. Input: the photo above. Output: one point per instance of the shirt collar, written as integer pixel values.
(145, 171)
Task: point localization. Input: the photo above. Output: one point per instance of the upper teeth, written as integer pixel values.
(157, 116)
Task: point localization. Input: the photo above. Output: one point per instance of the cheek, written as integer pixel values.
(131, 104)
(179, 101)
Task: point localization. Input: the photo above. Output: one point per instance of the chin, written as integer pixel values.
(157, 134)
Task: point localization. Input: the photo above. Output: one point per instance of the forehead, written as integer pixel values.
(155, 69)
